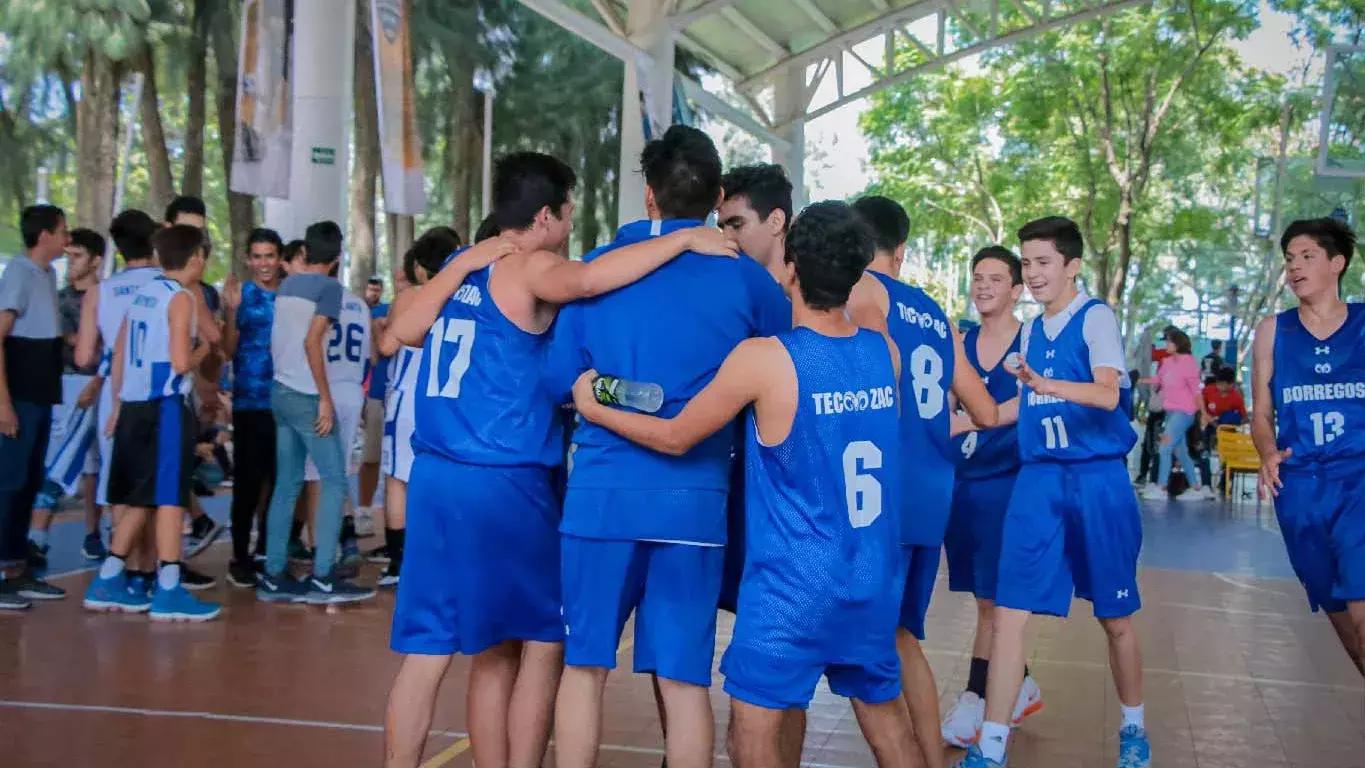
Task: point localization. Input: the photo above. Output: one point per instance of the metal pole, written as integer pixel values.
(487, 152)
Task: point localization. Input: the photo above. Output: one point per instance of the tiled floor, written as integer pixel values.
(1239, 674)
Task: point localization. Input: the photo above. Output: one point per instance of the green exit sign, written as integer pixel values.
(324, 156)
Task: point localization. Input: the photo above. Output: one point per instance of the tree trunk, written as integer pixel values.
(161, 188)
(196, 90)
(460, 161)
(241, 214)
(364, 172)
(593, 172)
(97, 141)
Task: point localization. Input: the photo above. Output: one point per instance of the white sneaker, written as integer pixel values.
(1197, 494)
(1155, 493)
(1030, 701)
(962, 724)
(364, 522)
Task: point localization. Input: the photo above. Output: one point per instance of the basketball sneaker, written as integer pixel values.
(974, 759)
(177, 604)
(1155, 492)
(1134, 751)
(962, 724)
(1030, 701)
(116, 594)
(333, 590)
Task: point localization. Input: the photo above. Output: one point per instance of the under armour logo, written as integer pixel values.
(1051, 353)
(1123, 594)
(1047, 372)
(1322, 350)
(1323, 368)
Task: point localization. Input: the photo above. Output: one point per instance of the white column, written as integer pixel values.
(324, 44)
(647, 27)
(790, 103)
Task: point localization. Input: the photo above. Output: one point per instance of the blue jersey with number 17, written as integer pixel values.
(1053, 429)
(481, 395)
(924, 336)
(1319, 389)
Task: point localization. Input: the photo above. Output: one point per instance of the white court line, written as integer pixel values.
(50, 706)
(1226, 579)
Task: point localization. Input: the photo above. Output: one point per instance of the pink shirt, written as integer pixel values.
(1178, 379)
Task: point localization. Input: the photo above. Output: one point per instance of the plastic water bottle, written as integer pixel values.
(641, 396)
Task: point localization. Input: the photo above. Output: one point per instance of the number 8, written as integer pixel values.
(926, 374)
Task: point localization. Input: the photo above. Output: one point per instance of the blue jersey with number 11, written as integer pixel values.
(481, 395)
(1053, 429)
(1319, 389)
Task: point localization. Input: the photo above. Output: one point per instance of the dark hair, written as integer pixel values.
(1217, 344)
(185, 204)
(176, 244)
(263, 235)
(37, 219)
(1225, 375)
(1330, 234)
(322, 240)
(765, 186)
(524, 183)
(1006, 256)
(1181, 341)
(487, 228)
(683, 169)
(291, 249)
(132, 232)
(90, 240)
(1062, 232)
(886, 218)
(379, 281)
(430, 251)
(830, 246)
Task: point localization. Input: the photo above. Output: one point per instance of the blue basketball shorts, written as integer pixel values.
(1071, 528)
(785, 678)
(672, 589)
(481, 564)
(972, 544)
(1322, 518)
(919, 587)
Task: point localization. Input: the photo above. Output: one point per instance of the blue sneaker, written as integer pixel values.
(93, 547)
(334, 590)
(1134, 751)
(115, 594)
(179, 605)
(280, 589)
(974, 759)
(141, 583)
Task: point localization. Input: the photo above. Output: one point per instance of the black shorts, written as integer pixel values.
(153, 454)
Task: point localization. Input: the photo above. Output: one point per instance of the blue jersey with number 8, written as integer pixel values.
(481, 395)
(1052, 429)
(1319, 389)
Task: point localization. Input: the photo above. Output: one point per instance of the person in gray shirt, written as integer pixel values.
(30, 384)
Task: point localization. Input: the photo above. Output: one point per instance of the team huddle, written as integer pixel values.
(824, 432)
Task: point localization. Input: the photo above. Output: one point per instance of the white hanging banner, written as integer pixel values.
(400, 147)
(265, 100)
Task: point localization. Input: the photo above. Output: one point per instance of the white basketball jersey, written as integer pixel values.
(348, 345)
(147, 371)
(116, 295)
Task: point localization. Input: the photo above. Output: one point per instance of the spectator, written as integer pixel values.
(1223, 404)
(1177, 380)
(1210, 364)
(1149, 464)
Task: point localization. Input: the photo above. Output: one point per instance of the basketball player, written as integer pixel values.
(988, 463)
(1309, 380)
(1073, 523)
(644, 532)
(73, 461)
(935, 367)
(153, 430)
(823, 427)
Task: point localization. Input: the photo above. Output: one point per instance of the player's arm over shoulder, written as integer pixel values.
(747, 373)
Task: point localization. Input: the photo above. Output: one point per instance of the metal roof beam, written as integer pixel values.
(723, 109)
(764, 40)
(816, 15)
(688, 18)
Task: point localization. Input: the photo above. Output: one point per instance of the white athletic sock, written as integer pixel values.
(993, 739)
(168, 577)
(111, 567)
(1133, 716)
(38, 537)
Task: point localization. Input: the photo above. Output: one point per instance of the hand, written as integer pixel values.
(490, 250)
(1032, 380)
(112, 421)
(960, 423)
(583, 398)
(9, 421)
(710, 241)
(1270, 471)
(326, 415)
(88, 394)
(232, 293)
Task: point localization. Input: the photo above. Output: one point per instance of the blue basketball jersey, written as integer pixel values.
(990, 452)
(921, 330)
(147, 372)
(480, 392)
(823, 546)
(673, 328)
(1052, 429)
(1319, 389)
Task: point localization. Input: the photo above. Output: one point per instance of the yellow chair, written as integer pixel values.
(1236, 453)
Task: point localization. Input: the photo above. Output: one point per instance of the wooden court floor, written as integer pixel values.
(1239, 674)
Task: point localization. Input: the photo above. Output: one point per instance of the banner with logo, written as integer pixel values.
(400, 148)
(265, 100)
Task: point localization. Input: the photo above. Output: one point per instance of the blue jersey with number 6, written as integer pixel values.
(481, 396)
(348, 345)
(1052, 429)
(1319, 389)
(922, 332)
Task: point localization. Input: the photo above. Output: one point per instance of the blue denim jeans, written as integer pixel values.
(296, 441)
(1177, 428)
(21, 477)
